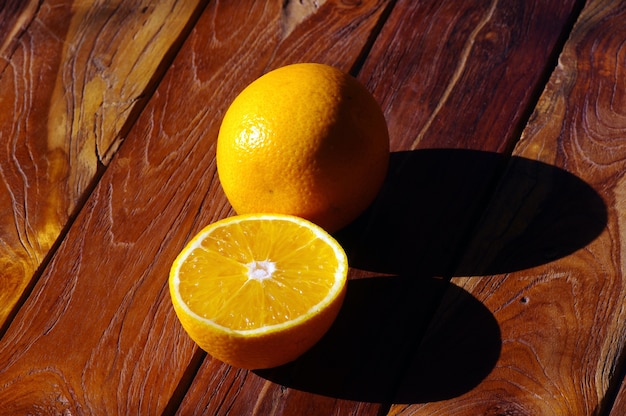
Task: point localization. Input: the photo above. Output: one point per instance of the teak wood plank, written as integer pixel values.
(72, 75)
(456, 60)
(548, 257)
(98, 334)
(354, 369)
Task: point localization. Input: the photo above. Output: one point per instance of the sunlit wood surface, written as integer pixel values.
(488, 278)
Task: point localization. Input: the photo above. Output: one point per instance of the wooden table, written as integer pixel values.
(488, 278)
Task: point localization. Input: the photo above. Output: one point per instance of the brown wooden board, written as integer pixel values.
(98, 334)
(440, 70)
(547, 258)
(70, 83)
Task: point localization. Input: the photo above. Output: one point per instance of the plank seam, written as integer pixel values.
(373, 35)
(551, 64)
(613, 389)
(185, 382)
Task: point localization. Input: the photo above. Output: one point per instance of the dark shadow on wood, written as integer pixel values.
(427, 213)
(380, 326)
(538, 214)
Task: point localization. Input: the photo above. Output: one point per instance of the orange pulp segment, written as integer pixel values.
(258, 290)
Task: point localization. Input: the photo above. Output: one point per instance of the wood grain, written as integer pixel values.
(430, 54)
(129, 354)
(223, 390)
(15, 17)
(562, 318)
(70, 82)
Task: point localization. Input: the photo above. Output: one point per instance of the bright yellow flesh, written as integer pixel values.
(296, 273)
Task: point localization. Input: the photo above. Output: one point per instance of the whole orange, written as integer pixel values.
(307, 140)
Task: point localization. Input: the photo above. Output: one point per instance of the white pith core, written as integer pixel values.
(261, 270)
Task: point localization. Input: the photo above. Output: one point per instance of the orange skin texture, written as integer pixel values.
(305, 140)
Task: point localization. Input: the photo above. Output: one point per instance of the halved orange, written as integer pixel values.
(259, 290)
